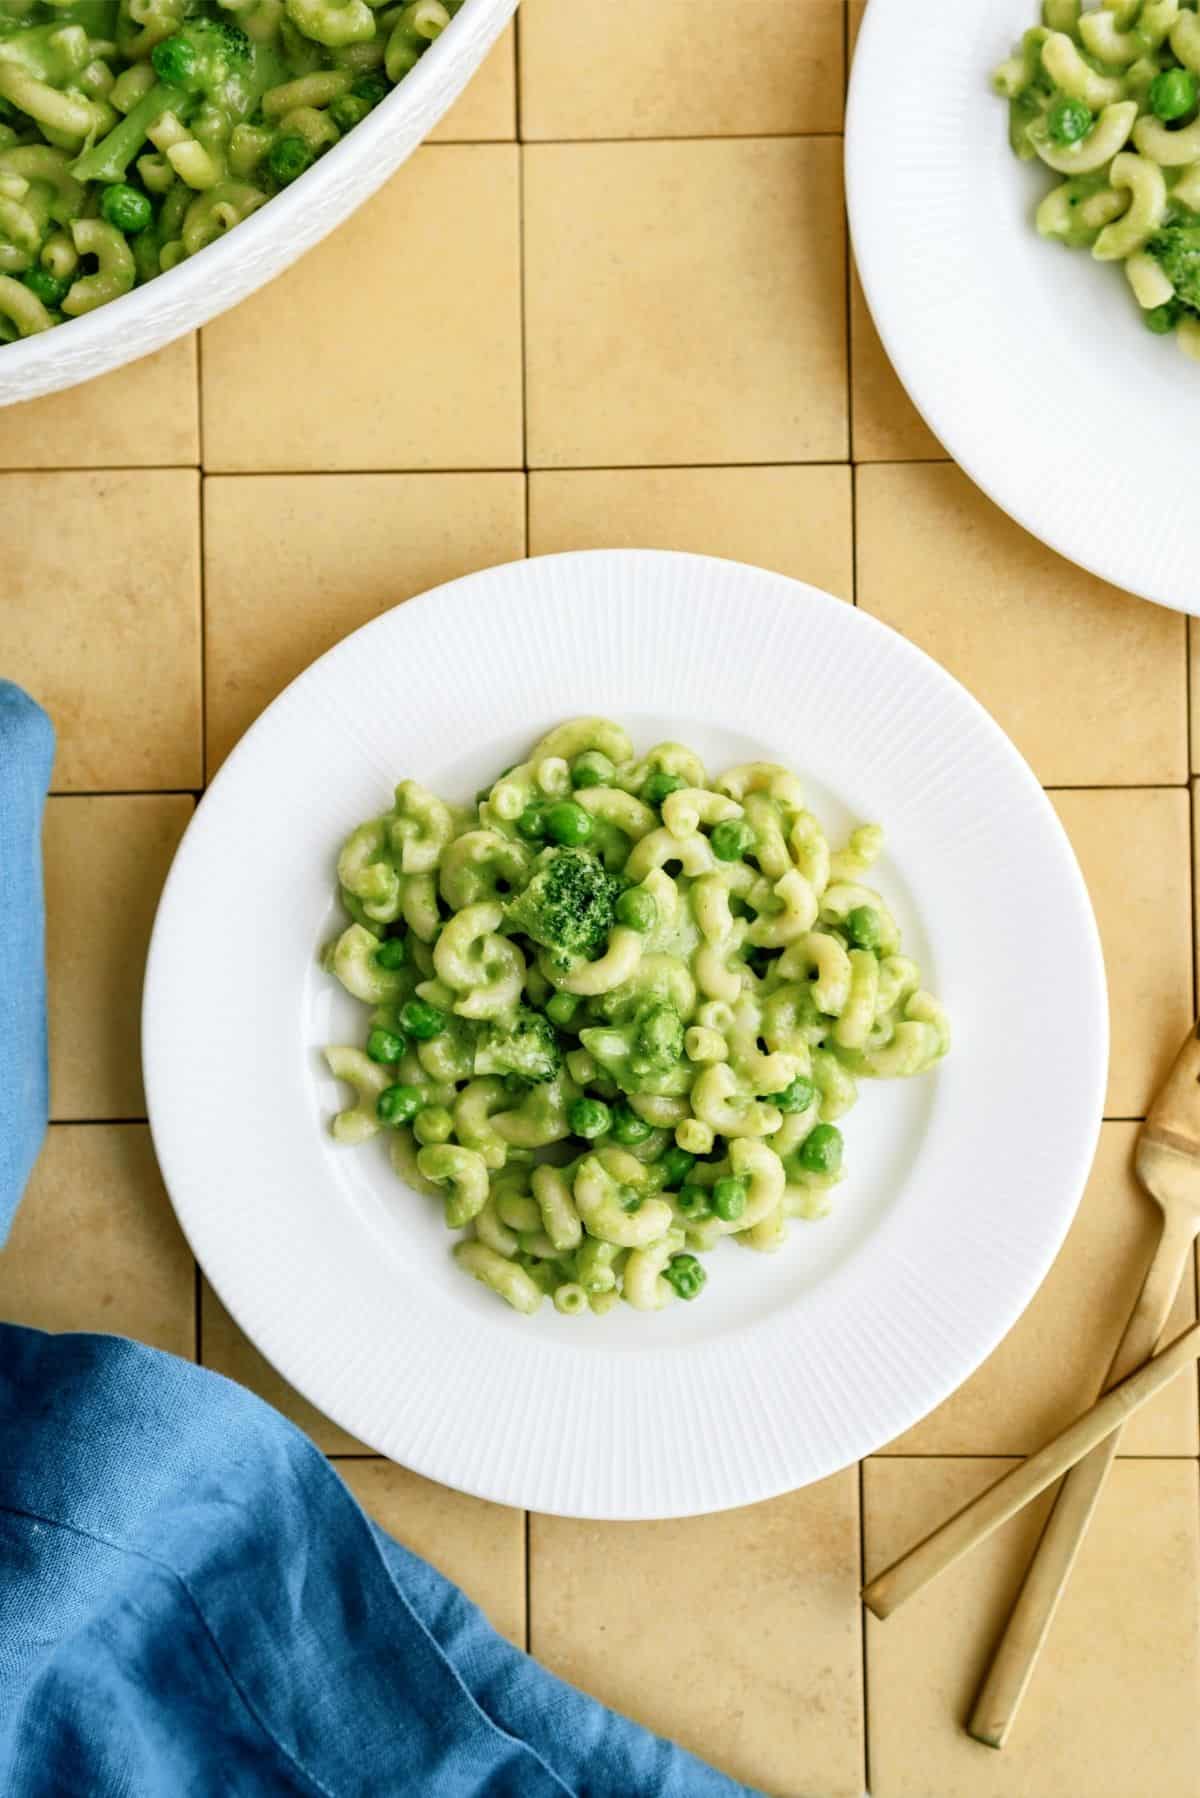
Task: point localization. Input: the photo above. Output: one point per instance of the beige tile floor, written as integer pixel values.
(639, 329)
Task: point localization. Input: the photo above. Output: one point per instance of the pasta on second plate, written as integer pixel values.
(617, 1011)
(1109, 98)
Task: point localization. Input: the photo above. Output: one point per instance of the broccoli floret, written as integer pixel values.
(1177, 248)
(527, 1047)
(658, 1044)
(202, 55)
(208, 58)
(567, 906)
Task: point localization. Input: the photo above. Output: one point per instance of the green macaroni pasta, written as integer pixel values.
(622, 1013)
(133, 133)
(1109, 99)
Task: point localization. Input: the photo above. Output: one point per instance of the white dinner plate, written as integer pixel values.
(961, 1184)
(1029, 361)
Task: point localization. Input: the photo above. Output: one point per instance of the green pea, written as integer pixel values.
(289, 157)
(1068, 121)
(729, 1198)
(421, 1020)
(862, 927)
(1162, 319)
(532, 824)
(591, 769)
(693, 1202)
(50, 289)
(796, 1097)
(821, 1150)
(731, 840)
(399, 1104)
(1172, 94)
(589, 1118)
(432, 1124)
(659, 787)
(126, 208)
(637, 908)
(568, 823)
(686, 1275)
(562, 1008)
(392, 952)
(348, 110)
(370, 88)
(386, 1046)
(628, 1127)
(675, 1166)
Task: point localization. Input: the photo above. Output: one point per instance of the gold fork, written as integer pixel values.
(1168, 1165)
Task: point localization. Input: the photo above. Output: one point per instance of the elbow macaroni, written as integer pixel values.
(675, 1082)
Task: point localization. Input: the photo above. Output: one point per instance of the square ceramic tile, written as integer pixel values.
(486, 110)
(329, 552)
(625, 69)
(100, 620)
(1133, 848)
(105, 863)
(795, 520)
(480, 1546)
(685, 303)
(142, 416)
(1050, 1367)
(885, 426)
(856, 10)
(225, 1349)
(396, 343)
(1111, 1711)
(737, 1635)
(95, 1245)
(945, 567)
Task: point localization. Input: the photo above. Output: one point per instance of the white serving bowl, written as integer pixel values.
(272, 238)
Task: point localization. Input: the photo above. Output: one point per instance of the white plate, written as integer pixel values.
(961, 1185)
(1028, 361)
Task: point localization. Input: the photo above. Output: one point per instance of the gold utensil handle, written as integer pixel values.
(1012, 1665)
(1021, 1484)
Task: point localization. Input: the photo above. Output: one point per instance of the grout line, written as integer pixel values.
(345, 474)
(696, 137)
(196, 1304)
(101, 467)
(524, 331)
(1006, 1454)
(847, 256)
(93, 1123)
(853, 535)
(863, 1614)
(201, 501)
(528, 1583)
(126, 793)
(518, 121)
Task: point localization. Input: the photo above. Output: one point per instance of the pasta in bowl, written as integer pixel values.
(617, 1012)
(135, 134)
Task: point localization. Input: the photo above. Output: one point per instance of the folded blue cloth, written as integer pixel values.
(192, 1604)
(26, 756)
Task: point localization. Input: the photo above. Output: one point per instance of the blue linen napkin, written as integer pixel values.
(26, 756)
(192, 1604)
